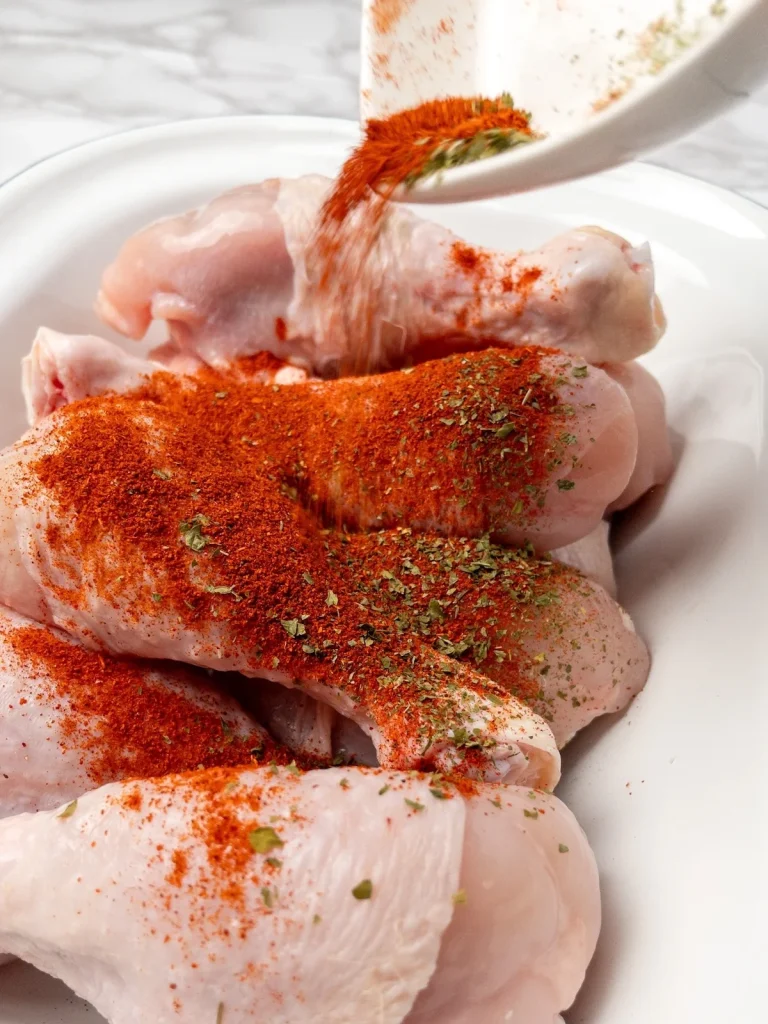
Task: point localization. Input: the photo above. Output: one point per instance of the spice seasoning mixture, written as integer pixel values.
(124, 723)
(421, 141)
(205, 492)
(467, 445)
(228, 828)
(398, 150)
(387, 13)
(499, 609)
(231, 827)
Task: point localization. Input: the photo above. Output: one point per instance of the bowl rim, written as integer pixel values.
(338, 125)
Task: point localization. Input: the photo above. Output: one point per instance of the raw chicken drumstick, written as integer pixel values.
(73, 719)
(238, 276)
(551, 637)
(542, 631)
(348, 895)
(527, 446)
(177, 544)
(546, 634)
(654, 452)
(562, 646)
(61, 368)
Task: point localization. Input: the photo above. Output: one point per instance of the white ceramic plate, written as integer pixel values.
(672, 793)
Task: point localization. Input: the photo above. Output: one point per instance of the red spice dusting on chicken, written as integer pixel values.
(484, 274)
(221, 856)
(528, 279)
(122, 722)
(226, 535)
(465, 786)
(472, 600)
(132, 799)
(226, 843)
(470, 260)
(259, 367)
(180, 862)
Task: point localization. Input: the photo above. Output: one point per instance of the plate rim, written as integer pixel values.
(46, 167)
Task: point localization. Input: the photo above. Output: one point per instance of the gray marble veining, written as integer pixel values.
(75, 69)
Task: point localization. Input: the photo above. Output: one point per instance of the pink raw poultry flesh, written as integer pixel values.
(73, 719)
(654, 463)
(344, 895)
(237, 277)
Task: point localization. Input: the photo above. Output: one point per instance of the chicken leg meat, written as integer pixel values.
(345, 895)
(241, 275)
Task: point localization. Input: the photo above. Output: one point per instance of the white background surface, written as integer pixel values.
(75, 69)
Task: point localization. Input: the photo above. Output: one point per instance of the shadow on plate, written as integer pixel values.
(588, 1005)
(28, 996)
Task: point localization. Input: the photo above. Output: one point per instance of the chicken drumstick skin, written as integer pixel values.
(73, 719)
(173, 547)
(655, 461)
(527, 446)
(239, 276)
(345, 895)
(552, 638)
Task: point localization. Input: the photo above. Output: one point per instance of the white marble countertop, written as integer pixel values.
(71, 70)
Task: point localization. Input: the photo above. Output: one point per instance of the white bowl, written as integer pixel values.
(671, 794)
